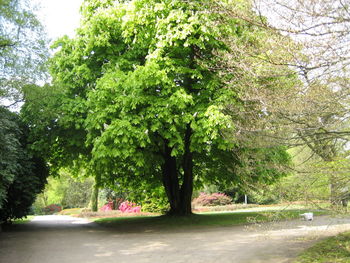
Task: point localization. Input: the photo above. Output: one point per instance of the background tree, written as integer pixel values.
(65, 190)
(318, 115)
(23, 50)
(311, 38)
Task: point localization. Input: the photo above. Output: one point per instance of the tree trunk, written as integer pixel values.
(94, 196)
(179, 197)
(187, 185)
(171, 181)
(333, 195)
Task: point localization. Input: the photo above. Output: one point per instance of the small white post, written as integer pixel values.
(245, 199)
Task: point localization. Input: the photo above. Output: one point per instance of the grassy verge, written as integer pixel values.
(23, 220)
(198, 220)
(335, 249)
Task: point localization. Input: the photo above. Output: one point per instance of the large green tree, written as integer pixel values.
(146, 99)
(138, 73)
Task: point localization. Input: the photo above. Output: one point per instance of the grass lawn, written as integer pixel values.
(331, 250)
(23, 220)
(198, 220)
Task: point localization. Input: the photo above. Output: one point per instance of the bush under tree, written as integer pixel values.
(22, 174)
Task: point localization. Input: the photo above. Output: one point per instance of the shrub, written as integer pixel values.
(52, 209)
(23, 173)
(155, 203)
(107, 207)
(214, 199)
(153, 207)
(128, 207)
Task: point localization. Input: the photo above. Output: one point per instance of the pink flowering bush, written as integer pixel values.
(129, 207)
(214, 199)
(107, 207)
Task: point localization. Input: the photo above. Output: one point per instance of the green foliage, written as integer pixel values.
(253, 169)
(24, 189)
(10, 150)
(60, 143)
(23, 175)
(313, 178)
(23, 48)
(304, 186)
(335, 249)
(141, 87)
(155, 201)
(265, 165)
(24, 220)
(78, 193)
(65, 190)
(152, 198)
(136, 78)
(265, 195)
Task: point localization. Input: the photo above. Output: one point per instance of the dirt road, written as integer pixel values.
(63, 239)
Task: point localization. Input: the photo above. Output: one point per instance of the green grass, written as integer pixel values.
(138, 223)
(71, 211)
(331, 250)
(23, 220)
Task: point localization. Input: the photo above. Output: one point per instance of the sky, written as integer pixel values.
(60, 17)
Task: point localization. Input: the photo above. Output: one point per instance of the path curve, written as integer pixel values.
(64, 239)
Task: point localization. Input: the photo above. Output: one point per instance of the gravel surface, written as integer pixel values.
(61, 239)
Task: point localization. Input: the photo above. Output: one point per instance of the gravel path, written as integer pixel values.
(64, 239)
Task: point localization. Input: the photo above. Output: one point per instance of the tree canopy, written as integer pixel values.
(145, 97)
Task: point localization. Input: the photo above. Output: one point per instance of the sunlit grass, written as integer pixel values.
(23, 220)
(331, 250)
(199, 220)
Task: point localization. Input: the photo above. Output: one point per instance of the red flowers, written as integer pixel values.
(51, 209)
